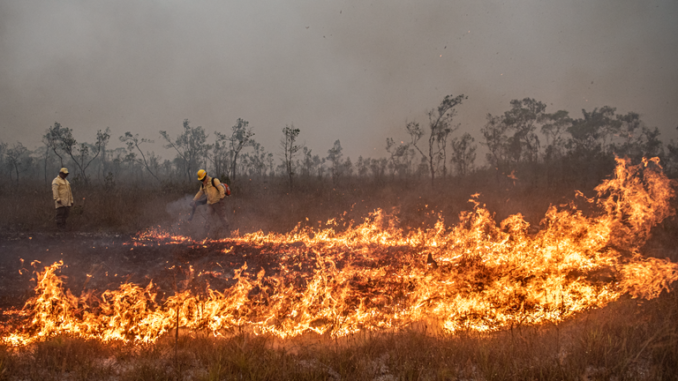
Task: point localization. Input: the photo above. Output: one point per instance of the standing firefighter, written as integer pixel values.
(211, 192)
(63, 198)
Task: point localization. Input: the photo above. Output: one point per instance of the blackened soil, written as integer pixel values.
(97, 262)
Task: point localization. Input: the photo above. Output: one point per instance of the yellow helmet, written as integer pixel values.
(63, 170)
(201, 174)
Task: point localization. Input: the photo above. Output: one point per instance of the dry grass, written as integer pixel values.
(628, 340)
(269, 205)
(124, 209)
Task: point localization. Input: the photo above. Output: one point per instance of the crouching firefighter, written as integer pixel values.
(211, 192)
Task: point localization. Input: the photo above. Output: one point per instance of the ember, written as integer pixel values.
(477, 275)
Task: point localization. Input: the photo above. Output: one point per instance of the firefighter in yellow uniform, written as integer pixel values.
(63, 198)
(211, 192)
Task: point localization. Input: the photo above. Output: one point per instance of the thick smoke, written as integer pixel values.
(353, 71)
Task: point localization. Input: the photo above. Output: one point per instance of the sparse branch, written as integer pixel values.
(15, 156)
(132, 142)
(290, 148)
(51, 140)
(190, 146)
(102, 139)
(439, 130)
(415, 132)
(240, 138)
(166, 136)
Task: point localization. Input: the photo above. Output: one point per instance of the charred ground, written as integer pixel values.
(627, 340)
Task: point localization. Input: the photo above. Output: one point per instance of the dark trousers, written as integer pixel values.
(217, 210)
(61, 216)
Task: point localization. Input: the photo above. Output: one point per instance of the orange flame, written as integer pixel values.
(477, 275)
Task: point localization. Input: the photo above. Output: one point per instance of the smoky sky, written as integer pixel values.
(349, 70)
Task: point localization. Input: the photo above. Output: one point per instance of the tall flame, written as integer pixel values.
(477, 275)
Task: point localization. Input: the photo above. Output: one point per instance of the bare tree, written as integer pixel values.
(52, 139)
(15, 156)
(306, 162)
(335, 156)
(496, 141)
(522, 119)
(463, 153)
(440, 121)
(257, 160)
(398, 157)
(288, 143)
(132, 142)
(240, 138)
(191, 147)
(269, 162)
(221, 155)
(82, 154)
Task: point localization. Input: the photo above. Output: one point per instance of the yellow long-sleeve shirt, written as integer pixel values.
(214, 193)
(61, 192)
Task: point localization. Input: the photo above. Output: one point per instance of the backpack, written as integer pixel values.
(224, 186)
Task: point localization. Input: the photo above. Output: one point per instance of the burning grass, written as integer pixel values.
(476, 276)
(628, 340)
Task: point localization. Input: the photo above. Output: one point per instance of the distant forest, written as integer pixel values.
(525, 142)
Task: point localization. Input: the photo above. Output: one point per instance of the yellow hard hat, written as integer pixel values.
(201, 174)
(63, 170)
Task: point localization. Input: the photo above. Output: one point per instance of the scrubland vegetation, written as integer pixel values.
(269, 205)
(531, 156)
(533, 159)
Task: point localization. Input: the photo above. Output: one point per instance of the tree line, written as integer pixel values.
(526, 142)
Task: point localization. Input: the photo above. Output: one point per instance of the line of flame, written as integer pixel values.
(477, 275)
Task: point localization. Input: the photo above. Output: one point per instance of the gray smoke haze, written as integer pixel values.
(349, 70)
(179, 211)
